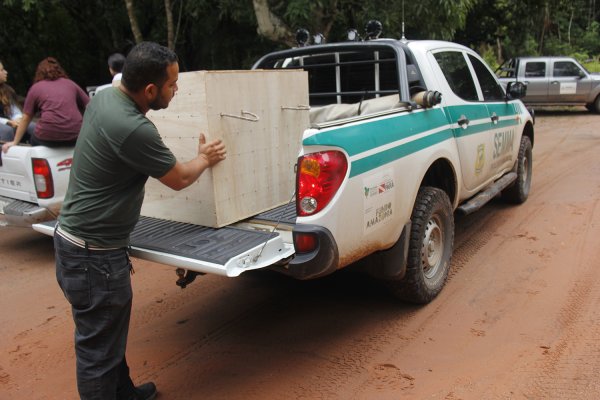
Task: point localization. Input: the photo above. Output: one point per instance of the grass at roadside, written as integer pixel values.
(593, 66)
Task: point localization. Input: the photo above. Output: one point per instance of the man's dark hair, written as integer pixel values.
(116, 61)
(147, 63)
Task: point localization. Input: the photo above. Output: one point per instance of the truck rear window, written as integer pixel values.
(347, 76)
(535, 69)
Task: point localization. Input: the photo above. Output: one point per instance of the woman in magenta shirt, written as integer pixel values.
(60, 104)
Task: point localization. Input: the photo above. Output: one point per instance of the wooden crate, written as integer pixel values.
(260, 116)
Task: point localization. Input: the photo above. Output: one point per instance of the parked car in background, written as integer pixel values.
(553, 81)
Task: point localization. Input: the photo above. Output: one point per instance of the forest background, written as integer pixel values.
(232, 34)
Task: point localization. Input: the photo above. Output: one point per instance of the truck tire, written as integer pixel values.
(518, 192)
(430, 248)
(594, 106)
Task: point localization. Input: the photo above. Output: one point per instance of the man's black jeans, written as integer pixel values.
(97, 283)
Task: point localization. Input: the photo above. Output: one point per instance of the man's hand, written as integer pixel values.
(213, 151)
(13, 124)
(184, 174)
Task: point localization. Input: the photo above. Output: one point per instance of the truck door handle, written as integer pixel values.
(495, 118)
(463, 122)
(554, 82)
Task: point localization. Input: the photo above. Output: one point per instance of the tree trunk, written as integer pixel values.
(270, 26)
(170, 31)
(570, 24)
(545, 25)
(499, 52)
(137, 34)
(331, 19)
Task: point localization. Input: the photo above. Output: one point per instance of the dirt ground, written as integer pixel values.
(518, 319)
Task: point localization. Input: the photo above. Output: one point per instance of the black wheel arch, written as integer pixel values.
(528, 131)
(442, 175)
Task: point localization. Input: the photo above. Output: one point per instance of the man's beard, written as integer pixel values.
(157, 104)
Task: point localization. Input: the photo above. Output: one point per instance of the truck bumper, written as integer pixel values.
(22, 213)
(321, 261)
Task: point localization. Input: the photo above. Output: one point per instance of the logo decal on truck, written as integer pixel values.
(12, 183)
(65, 164)
(378, 200)
(480, 160)
(380, 188)
(503, 147)
(503, 143)
(381, 214)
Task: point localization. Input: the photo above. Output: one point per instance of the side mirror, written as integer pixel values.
(581, 74)
(516, 90)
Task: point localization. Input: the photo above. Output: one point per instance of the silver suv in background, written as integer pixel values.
(553, 81)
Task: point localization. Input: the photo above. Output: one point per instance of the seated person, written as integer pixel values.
(60, 103)
(10, 111)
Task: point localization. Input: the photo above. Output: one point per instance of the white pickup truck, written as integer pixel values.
(403, 135)
(33, 183)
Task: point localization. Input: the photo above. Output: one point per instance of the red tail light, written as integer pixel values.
(42, 177)
(319, 178)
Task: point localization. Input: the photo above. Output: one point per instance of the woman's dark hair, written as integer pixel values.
(147, 63)
(50, 70)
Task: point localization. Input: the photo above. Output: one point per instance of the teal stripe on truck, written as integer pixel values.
(377, 160)
(357, 139)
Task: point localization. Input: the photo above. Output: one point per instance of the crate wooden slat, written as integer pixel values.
(258, 173)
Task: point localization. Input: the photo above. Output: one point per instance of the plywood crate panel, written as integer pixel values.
(260, 116)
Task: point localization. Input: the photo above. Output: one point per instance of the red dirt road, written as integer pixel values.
(518, 319)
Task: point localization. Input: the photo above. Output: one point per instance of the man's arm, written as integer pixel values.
(183, 175)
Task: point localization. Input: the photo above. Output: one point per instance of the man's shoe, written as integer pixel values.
(146, 391)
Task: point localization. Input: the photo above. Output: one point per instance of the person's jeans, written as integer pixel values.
(7, 133)
(97, 284)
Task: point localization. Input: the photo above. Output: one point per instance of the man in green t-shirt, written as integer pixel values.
(117, 150)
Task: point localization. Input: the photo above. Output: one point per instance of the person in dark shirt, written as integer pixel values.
(117, 150)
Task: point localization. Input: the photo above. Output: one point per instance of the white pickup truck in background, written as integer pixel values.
(33, 183)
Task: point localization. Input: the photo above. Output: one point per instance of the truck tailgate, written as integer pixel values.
(227, 251)
(16, 178)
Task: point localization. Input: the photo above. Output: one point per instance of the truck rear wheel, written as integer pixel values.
(518, 192)
(430, 248)
(594, 106)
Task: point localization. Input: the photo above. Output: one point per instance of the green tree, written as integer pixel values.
(232, 34)
(532, 27)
